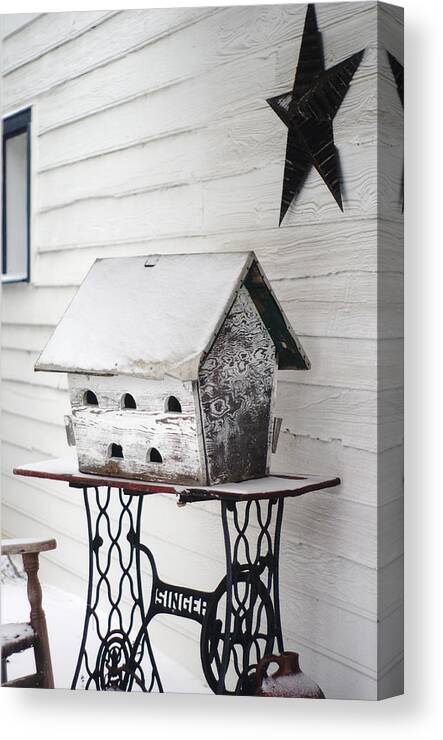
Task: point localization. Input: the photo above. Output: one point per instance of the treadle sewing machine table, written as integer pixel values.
(240, 619)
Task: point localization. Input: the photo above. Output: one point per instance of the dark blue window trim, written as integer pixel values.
(14, 125)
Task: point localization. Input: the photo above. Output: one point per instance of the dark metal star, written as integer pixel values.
(308, 111)
(398, 73)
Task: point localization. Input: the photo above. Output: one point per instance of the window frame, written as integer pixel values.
(13, 125)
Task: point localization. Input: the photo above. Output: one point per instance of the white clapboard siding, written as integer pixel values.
(151, 133)
(196, 49)
(227, 147)
(27, 304)
(117, 35)
(25, 337)
(160, 212)
(357, 468)
(214, 207)
(349, 363)
(343, 319)
(31, 434)
(36, 402)
(14, 22)
(46, 33)
(199, 101)
(307, 249)
(348, 415)
(18, 366)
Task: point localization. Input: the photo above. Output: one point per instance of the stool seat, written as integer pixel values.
(26, 545)
(16, 637)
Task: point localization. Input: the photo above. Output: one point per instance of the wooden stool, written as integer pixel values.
(17, 637)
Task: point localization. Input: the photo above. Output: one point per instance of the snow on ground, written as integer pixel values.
(64, 614)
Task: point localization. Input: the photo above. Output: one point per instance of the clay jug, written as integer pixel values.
(288, 680)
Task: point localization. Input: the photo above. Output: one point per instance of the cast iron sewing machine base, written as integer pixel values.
(240, 619)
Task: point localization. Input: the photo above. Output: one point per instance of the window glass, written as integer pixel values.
(16, 197)
(16, 153)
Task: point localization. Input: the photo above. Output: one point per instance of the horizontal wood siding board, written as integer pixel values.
(227, 147)
(46, 33)
(14, 23)
(118, 35)
(298, 251)
(45, 438)
(242, 103)
(24, 337)
(221, 40)
(203, 102)
(211, 207)
(356, 468)
(346, 415)
(28, 304)
(134, 27)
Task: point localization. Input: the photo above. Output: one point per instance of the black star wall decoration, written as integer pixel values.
(398, 74)
(308, 111)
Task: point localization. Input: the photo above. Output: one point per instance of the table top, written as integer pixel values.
(272, 486)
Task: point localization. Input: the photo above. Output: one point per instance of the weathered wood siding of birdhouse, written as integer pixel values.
(151, 133)
(236, 391)
(150, 427)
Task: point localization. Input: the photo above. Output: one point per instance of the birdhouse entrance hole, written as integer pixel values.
(128, 402)
(173, 404)
(90, 399)
(115, 450)
(154, 455)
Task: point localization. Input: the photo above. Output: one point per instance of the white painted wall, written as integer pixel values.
(151, 133)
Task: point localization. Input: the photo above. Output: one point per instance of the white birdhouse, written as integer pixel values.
(172, 365)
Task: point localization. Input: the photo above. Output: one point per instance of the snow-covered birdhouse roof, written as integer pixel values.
(159, 315)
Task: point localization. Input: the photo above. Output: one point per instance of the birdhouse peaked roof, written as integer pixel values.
(159, 315)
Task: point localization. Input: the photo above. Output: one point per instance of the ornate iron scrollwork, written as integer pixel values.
(240, 619)
(115, 652)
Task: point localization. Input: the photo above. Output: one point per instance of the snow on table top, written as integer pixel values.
(273, 486)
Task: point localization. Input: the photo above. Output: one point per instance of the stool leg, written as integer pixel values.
(38, 620)
(4, 671)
